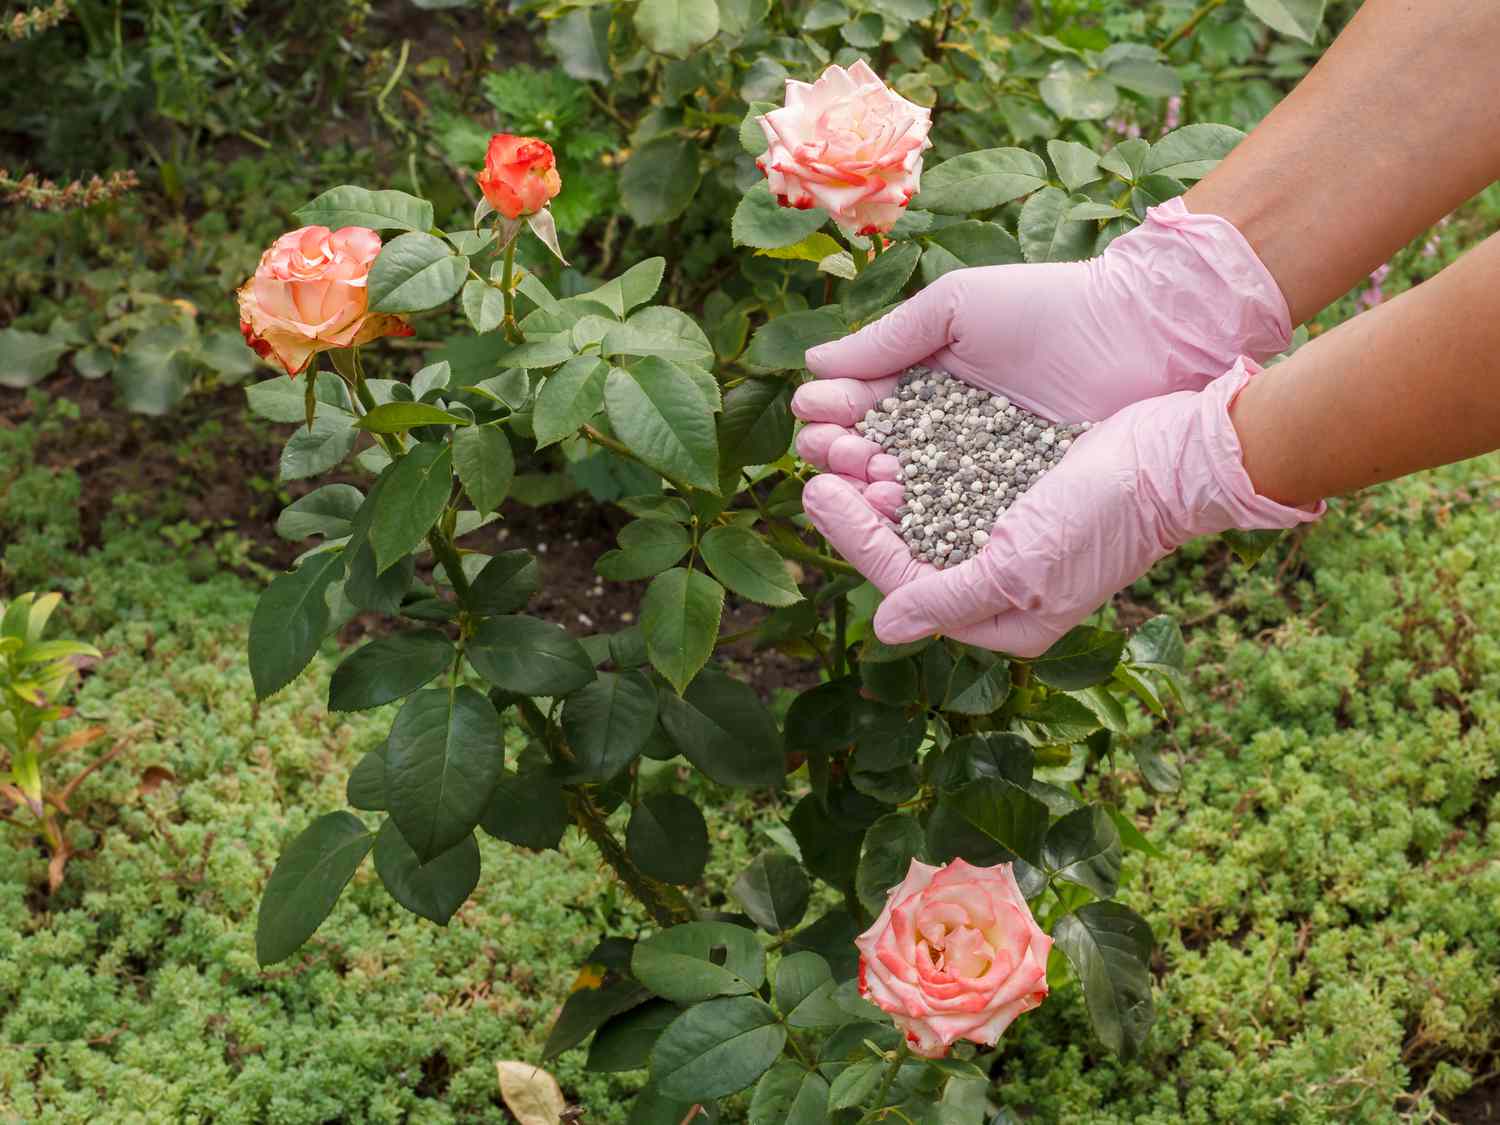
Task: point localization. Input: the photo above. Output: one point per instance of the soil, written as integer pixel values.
(213, 464)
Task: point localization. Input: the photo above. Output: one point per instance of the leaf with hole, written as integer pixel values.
(698, 960)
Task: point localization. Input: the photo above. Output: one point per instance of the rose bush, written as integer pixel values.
(924, 753)
(955, 954)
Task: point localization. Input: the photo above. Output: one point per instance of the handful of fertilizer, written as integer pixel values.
(966, 455)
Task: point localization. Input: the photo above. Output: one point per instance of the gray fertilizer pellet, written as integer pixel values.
(966, 455)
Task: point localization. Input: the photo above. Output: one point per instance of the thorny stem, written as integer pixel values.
(666, 904)
(893, 1068)
(1190, 24)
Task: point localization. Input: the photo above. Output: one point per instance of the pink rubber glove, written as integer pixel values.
(1165, 308)
(1131, 490)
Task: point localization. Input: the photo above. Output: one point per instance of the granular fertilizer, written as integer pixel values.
(966, 455)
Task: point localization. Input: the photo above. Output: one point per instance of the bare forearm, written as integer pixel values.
(1392, 129)
(1412, 384)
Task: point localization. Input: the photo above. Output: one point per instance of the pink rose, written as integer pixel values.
(848, 144)
(955, 954)
(520, 175)
(308, 296)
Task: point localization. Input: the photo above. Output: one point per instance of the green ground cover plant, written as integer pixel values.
(1326, 953)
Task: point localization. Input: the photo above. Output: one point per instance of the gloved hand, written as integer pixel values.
(1165, 308)
(1131, 490)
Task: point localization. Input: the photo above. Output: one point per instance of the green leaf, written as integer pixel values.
(433, 890)
(307, 881)
(505, 584)
(647, 547)
(979, 244)
(798, 976)
(1047, 235)
(790, 1094)
(289, 622)
(881, 281)
(415, 271)
(26, 358)
(398, 417)
(1071, 90)
(1192, 152)
(822, 719)
(661, 331)
(782, 343)
(752, 136)
(411, 499)
(676, 27)
(529, 656)
(154, 372)
(748, 565)
(986, 822)
(280, 399)
(1083, 847)
(528, 810)
(485, 465)
(856, 1084)
(378, 593)
(388, 668)
(1300, 19)
(814, 248)
(1127, 159)
(978, 181)
(568, 398)
(1251, 546)
(760, 221)
(717, 1048)
(756, 426)
(721, 726)
(661, 177)
(634, 287)
(680, 618)
(1157, 646)
(978, 684)
(1082, 657)
(328, 511)
(350, 206)
(484, 305)
(310, 452)
(1147, 77)
(365, 788)
(829, 850)
(625, 1042)
(774, 891)
(1093, 211)
(580, 40)
(1109, 947)
(444, 756)
(890, 844)
(668, 838)
(1161, 774)
(659, 412)
(1076, 164)
(607, 721)
(699, 960)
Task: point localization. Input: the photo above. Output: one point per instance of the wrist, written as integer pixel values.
(1200, 291)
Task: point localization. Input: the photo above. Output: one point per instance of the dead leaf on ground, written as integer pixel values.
(530, 1093)
(152, 779)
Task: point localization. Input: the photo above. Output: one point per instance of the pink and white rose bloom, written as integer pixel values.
(955, 954)
(308, 296)
(849, 144)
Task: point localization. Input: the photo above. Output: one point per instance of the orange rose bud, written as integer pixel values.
(520, 175)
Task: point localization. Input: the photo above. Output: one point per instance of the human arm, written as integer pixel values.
(1390, 130)
(1411, 384)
